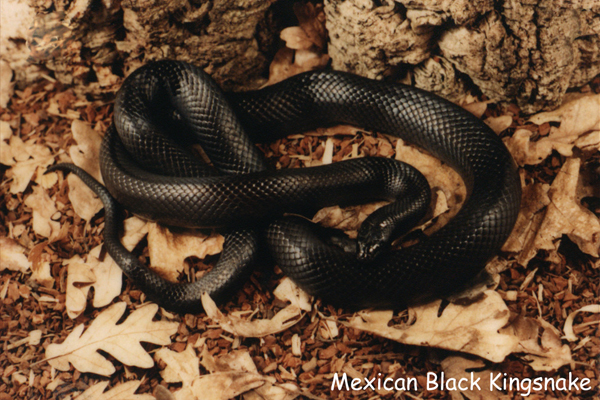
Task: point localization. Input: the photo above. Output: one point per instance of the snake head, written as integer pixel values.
(370, 247)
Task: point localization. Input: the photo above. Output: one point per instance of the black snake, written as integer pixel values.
(147, 167)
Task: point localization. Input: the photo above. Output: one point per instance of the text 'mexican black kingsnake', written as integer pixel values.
(165, 106)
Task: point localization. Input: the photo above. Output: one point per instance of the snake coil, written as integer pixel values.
(147, 168)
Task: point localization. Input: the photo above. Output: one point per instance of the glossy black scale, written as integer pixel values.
(163, 99)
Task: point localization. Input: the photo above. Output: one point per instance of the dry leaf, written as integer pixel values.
(287, 290)
(481, 328)
(220, 386)
(238, 326)
(180, 367)
(24, 157)
(295, 38)
(533, 200)
(458, 368)
(43, 211)
(104, 276)
(169, 250)
(548, 212)
(79, 280)
(84, 201)
(566, 215)
(499, 124)
(441, 179)
(471, 329)
(122, 341)
(540, 342)
(6, 86)
(577, 118)
(123, 391)
(135, 229)
(87, 151)
(13, 256)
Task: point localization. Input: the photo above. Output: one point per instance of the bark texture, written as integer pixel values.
(95, 43)
(524, 51)
(527, 51)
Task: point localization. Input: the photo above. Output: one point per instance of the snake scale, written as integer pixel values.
(164, 107)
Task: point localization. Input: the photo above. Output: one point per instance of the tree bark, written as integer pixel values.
(526, 51)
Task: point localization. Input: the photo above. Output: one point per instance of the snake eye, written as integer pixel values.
(368, 251)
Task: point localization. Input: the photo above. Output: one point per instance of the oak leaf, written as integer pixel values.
(122, 341)
(124, 391)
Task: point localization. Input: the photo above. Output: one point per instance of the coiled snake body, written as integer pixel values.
(163, 99)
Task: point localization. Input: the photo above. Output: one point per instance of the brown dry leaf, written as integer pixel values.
(540, 343)
(481, 328)
(579, 127)
(499, 124)
(446, 184)
(169, 250)
(471, 329)
(220, 386)
(180, 367)
(123, 391)
(13, 256)
(456, 367)
(548, 212)
(287, 290)
(6, 86)
(79, 280)
(295, 38)
(240, 360)
(24, 158)
(239, 326)
(43, 212)
(87, 151)
(122, 341)
(135, 229)
(104, 276)
(84, 201)
(533, 200)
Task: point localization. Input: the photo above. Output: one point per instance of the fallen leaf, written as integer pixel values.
(25, 158)
(540, 343)
(471, 329)
(135, 229)
(220, 386)
(550, 211)
(577, 118)
(295, 38)
(168, 250)
(471, 370)
(122, 341)
(13, 256)
(287, 290)
(6, 86)
(84, 201)
(499, 124)
(43, 210)
(481, 328)
(238, 326)
(104, 276)
(85, 154)
(180, 367)
(123, 391)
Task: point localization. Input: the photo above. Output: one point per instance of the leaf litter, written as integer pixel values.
(52, 227)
